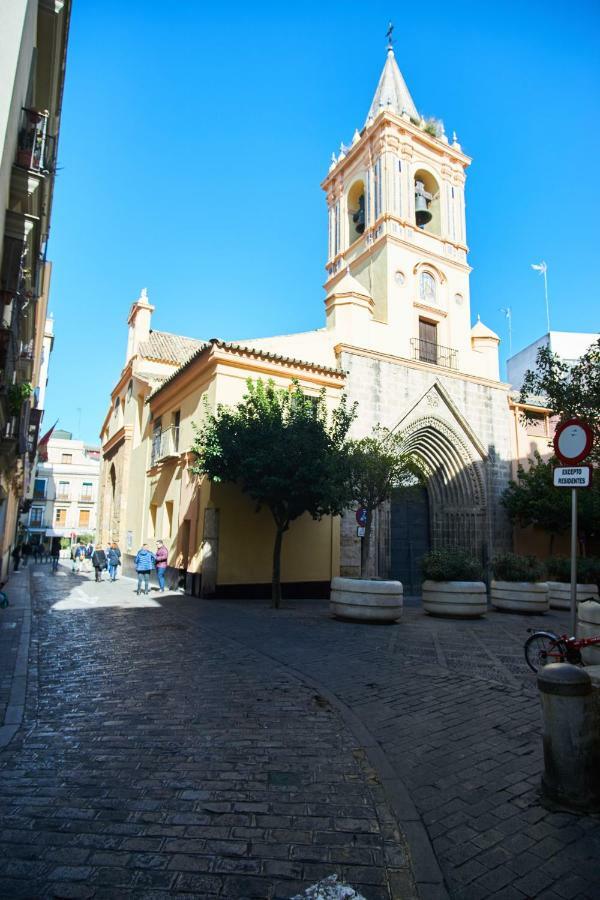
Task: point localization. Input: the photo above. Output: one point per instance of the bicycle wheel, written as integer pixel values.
(542, 648)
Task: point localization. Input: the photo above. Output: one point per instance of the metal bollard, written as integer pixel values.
(571, 713)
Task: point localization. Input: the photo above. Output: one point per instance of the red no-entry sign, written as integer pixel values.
(573, 441)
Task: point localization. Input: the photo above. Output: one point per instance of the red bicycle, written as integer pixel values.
(543, 647)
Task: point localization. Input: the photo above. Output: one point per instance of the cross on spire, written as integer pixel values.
(389, 35)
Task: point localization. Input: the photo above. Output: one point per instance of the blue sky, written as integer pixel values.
(195, 136)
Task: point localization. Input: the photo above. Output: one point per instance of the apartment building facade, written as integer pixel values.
(65, 492)
(33, 44)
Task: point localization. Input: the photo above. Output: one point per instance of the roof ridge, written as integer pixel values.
(263, 354)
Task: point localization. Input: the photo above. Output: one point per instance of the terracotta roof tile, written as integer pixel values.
(246, 351)
(166, 347)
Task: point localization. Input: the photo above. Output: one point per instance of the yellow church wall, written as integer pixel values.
(246, 542)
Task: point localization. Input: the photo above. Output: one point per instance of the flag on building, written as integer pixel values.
(42, 447)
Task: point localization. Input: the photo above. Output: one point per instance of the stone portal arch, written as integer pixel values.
(455, 486)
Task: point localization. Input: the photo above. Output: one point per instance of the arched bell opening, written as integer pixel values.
(427, 202)
(356, 211)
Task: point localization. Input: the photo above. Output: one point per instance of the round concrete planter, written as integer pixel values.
(588, 625)
(520, 596)
(454, 599)
(366, 600)
(559, 594)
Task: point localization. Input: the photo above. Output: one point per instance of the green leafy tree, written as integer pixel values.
(378, 465)
(533, 500)
(284, 450)
(568, 390)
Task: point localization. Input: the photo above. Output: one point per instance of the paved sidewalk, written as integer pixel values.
(15, 629)
(177, 747)
(456, 715)
(159, 759)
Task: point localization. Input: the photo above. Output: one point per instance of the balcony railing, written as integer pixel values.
(86, 498)
(164, 444)
(34, 146)
(430, 352)
(64, 497)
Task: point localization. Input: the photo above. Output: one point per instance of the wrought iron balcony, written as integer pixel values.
(165, 444)
(436, 354)
(34, 148)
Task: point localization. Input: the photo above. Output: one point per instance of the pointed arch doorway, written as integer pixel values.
(450, 511)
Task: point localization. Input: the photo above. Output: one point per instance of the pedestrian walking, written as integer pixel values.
(144, 563)
(26, 551)
(162, 556)
(77, 556)
(98, 562)
(55, 554)
(37, 553)
(16, 555)
(87, 560)
(114, 560)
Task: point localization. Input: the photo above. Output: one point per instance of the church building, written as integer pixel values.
(397, 338)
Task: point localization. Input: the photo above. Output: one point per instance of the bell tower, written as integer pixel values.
(396, 206)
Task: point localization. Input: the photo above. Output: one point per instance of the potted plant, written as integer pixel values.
(559, 580)
(453, 584)
(376, 465)
(518, 585)
(17, 394)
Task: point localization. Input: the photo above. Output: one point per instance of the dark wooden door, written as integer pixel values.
(410, 538)
(427, 341)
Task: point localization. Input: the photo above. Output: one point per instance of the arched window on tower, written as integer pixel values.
(427, 202)
(356, 211)
(427, 289)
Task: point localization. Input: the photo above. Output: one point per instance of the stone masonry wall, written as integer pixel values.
(388, 392)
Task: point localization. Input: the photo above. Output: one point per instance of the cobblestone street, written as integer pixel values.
(172, 746)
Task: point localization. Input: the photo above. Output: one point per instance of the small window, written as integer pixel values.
(176, 423)
(86, 490)
(63, 490)
(169, 518)
(152, 523)
(60, 517)
(36, 516)
(84, 518)
(427, 288)
(39, 489)
(537, 423)
(428, 345)
(66, 458)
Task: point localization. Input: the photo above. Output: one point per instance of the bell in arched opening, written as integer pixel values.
(422, 200)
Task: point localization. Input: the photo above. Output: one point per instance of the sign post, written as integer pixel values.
(573, 441)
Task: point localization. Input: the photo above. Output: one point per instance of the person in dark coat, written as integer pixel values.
(98, 562)
(55, 554)
(16, 555)
(114, 560)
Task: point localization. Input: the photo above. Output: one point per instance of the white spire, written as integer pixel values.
(392, 92)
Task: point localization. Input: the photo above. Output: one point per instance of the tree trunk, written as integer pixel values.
(365, 545)
(276, 580)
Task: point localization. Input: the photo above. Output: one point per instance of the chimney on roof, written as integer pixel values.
(139, 320)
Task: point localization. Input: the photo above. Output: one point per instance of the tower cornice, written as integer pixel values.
(393, 131)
